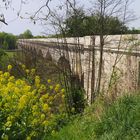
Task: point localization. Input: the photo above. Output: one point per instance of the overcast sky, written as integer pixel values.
(18, 25)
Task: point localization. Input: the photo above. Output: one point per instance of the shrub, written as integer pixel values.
(120, 121)
(29, 110)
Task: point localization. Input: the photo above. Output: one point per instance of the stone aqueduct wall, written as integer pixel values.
(123, 50)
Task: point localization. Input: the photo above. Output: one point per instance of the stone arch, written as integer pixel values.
(48, 56)
(40, 54)
(63, 63)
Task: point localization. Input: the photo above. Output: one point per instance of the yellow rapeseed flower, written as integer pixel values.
(42, 116)
(9, 67)
(32, 71)
(11, 79)
(53, 133)
(37, 81)
(27, 88)
(23, 67)
(49, 81)
(63, 96)
(27, 71)
(6, 74)
(28, 138)
(22, 101)
(8, 124)
(45, 107)
(35, 122)
(51, 87)
(62, 90)
(45, 123)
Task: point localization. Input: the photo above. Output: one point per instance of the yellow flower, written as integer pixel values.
(35, 107)
(37, 81)
(23, 67)
(53, 133)
(27, 71)
(28, 138)
(57, 87)
(16, 90)
(35, 121)
(35, 114)
(49, 81)
(50, 98)
(51, 87)
(8, 124)
(62, 90)
(45, 107)
(10, 118)
(32, 71)
(44, 97)
(6, 74)
(18, 82)
(27, 88)
(11, 79)
(9, 67)
(63, 96)
(22, 101)
(42, 87)
(42, 116)
(45, 123)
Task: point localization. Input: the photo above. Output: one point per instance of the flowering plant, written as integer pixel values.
(27, 110)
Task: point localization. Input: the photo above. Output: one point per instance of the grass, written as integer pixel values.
(10, 53)
(120, 121)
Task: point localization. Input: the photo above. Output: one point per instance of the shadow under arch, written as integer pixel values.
(73, 85)
(48, 57)
(64, 64)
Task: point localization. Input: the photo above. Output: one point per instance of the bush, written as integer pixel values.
(120, 121)
(29, 111)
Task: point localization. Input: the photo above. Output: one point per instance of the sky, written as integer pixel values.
(17, 25)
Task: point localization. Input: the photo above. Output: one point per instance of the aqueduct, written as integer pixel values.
(120, 51)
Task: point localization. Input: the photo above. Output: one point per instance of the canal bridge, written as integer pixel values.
(83, 54)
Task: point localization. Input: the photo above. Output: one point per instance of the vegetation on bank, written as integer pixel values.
(104, 121)
(7, 41)
(29, 109)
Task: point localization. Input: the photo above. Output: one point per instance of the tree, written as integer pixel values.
(107, 8)
(7, 41)
(26, 35)
(82, 25)
(75, 25)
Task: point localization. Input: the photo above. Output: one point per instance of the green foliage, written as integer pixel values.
(134, 31)
(76, 96)
(120, 121)
(7, 41)
(48, 69)
(6, 58)
(29, 110)
(3, 59)
(75, 24)
(78, 24)
(26, 35)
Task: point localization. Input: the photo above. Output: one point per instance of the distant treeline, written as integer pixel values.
(7, 41)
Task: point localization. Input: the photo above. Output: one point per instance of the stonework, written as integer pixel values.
(121, 55)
